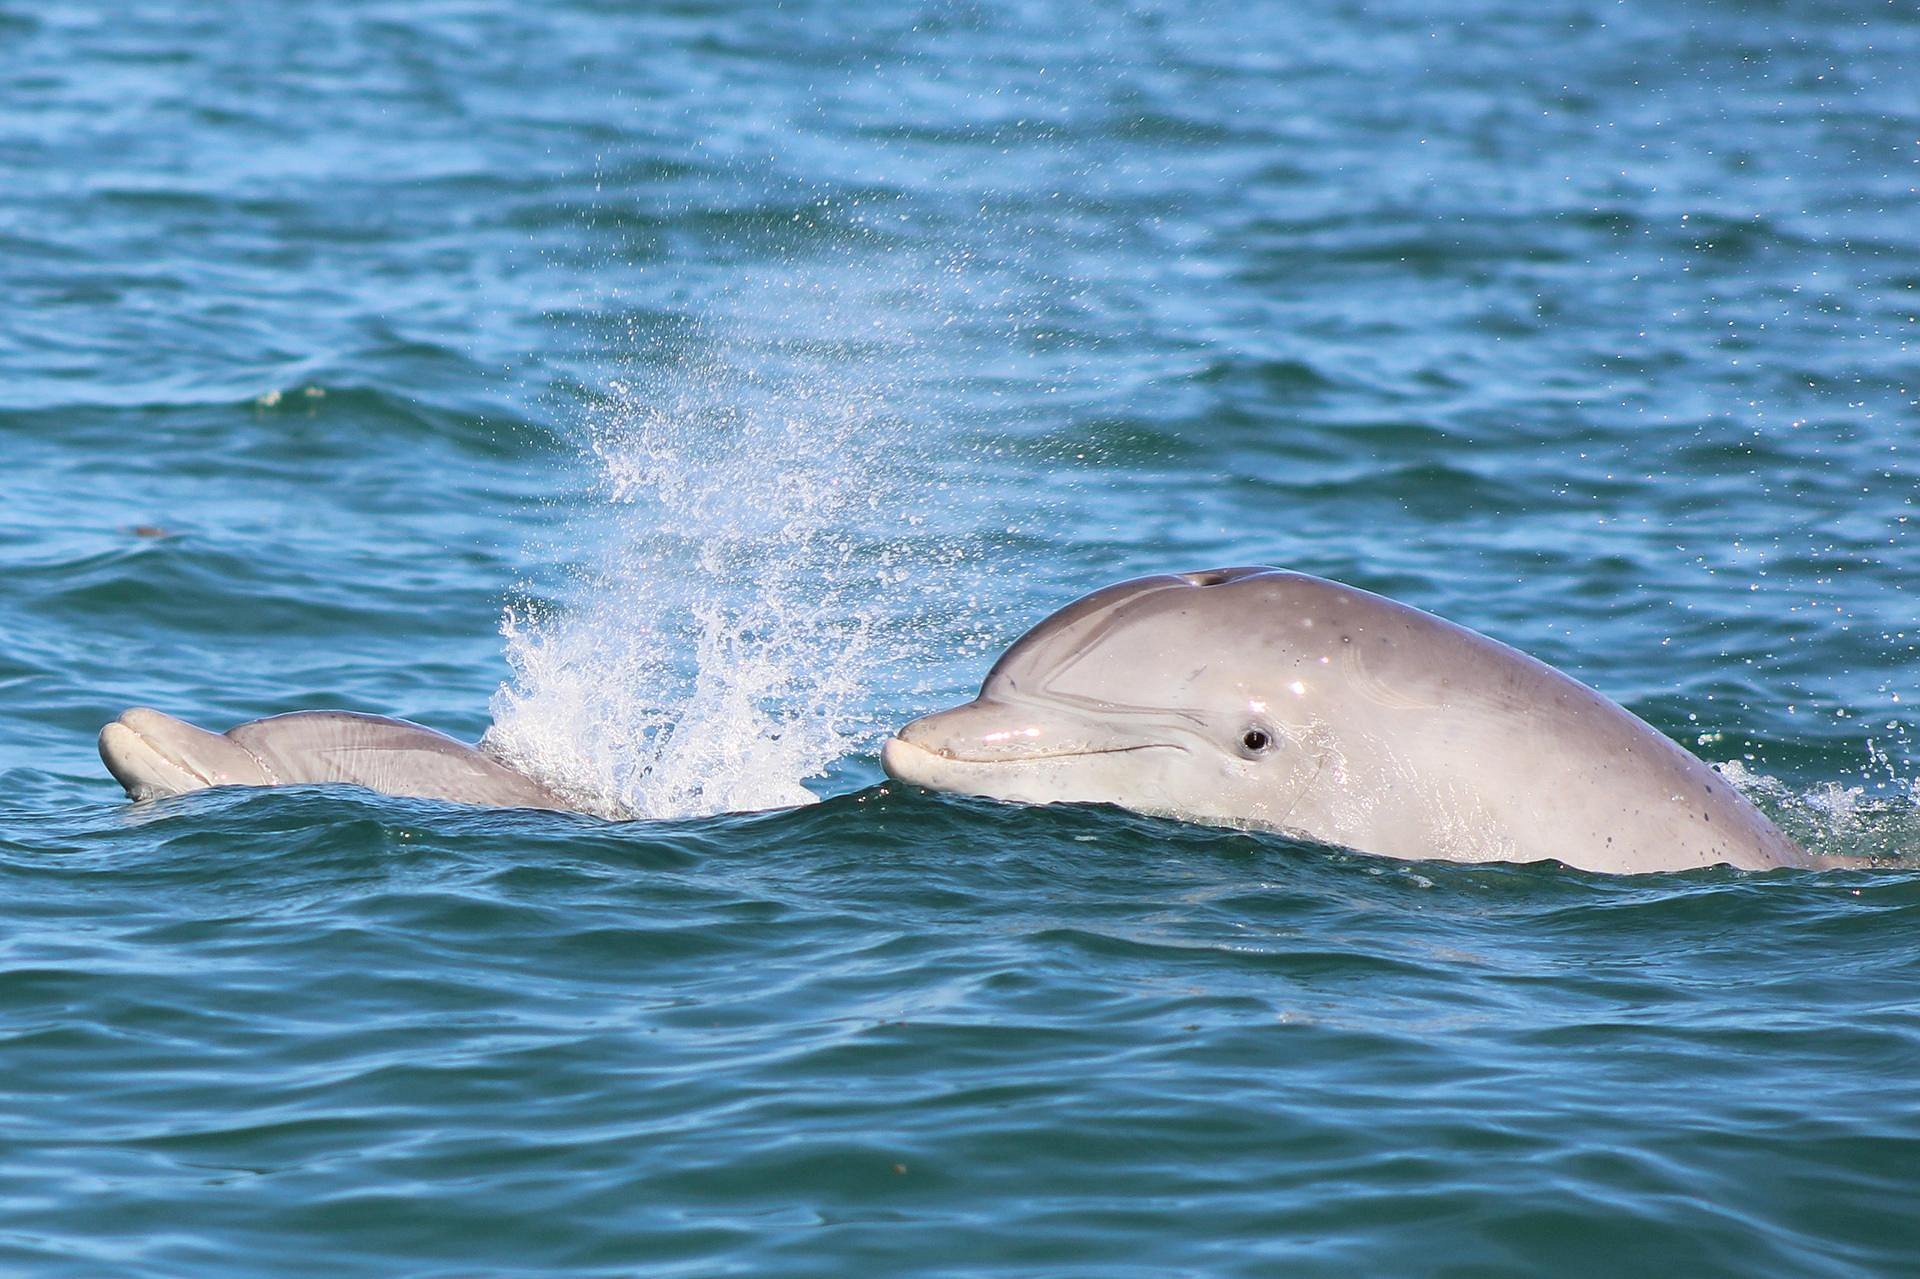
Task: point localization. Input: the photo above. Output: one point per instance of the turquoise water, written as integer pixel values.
(694, 393)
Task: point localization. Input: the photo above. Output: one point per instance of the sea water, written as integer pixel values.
(681, 396)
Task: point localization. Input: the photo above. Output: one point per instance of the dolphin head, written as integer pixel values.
(1152, 694)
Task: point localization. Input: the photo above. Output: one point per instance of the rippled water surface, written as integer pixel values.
(687, 394)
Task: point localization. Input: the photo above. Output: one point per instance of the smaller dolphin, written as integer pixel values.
(1257, 698)
(155, 755)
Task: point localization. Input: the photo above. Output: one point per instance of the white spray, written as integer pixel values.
(780, 539)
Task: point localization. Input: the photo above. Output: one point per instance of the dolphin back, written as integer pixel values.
(154, 755)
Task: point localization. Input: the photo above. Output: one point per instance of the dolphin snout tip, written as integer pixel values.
(116, 738)
(924, 734)
(143, 720)
(903, 761)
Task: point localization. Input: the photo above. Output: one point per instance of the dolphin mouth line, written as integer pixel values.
(942, 753)
(166, 757)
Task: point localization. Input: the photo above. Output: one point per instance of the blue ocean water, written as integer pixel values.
(691, 392)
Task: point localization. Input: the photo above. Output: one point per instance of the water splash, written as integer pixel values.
(1877, 822)
(773, 534)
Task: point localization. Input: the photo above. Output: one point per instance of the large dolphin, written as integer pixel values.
(1263, 699)
(154, 755)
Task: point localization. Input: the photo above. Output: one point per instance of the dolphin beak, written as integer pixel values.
(154, 755)
(980, 747)
(982, 732)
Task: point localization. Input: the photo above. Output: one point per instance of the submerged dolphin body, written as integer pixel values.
(155, 755)
(1257, 698)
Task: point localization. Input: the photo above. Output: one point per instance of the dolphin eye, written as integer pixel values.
(1256, 740)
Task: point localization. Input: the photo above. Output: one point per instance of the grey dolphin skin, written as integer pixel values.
(1263, 699)
(155, 755)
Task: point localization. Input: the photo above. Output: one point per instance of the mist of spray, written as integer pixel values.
(767, 544)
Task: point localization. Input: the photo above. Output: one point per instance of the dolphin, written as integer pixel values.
(154, 755)
(1264, 699)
